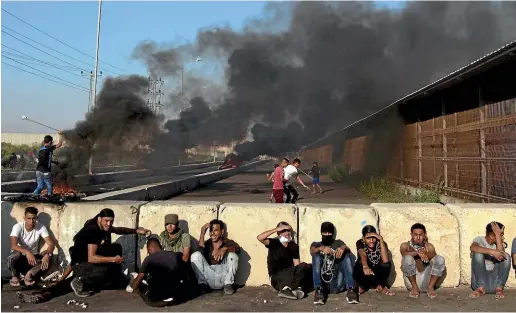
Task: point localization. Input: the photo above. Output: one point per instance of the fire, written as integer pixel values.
(61, 189)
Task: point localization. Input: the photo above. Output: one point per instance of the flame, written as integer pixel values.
(61, 189)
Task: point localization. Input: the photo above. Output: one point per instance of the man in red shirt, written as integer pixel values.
(277, 187)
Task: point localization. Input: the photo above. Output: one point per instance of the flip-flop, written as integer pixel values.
(14, 282)
(499, 294)
(476, 294)
(388, 292)
(432, 295)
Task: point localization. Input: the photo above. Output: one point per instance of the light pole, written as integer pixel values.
(94, 102)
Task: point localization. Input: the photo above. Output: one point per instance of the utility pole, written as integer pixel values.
(155, 93)
(95, 75)
(90, 99)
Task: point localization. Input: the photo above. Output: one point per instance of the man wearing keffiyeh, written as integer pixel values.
(174, 238)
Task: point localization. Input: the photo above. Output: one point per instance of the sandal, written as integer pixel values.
(499, 294)
(476, 294)
(431, 294)
(14, 282)
(388, 292)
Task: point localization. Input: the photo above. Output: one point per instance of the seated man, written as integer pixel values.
(163, 271)
(96, 262)
(174, 238)
(421, 265)
(331, 262)
(25, 258)
(288, 276)
(490, 264)
(215, 262)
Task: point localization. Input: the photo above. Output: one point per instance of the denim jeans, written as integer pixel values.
(490, 280)
(342, 275)
(43, 179)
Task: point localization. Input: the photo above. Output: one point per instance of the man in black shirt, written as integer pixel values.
(215, 262)
(288, 275)
(43, 170)
(331, 263)
(165, 275)
(316, 173)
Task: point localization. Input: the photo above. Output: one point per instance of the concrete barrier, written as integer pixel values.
(246, 221)
(473, 219)
(75, 214)
(348, 219)
(25, 175)
(442, 229)
(13, 213)
(192, 216)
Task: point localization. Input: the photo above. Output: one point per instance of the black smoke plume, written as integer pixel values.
(334, 63)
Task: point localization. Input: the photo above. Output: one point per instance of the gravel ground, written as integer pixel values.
(257, 299)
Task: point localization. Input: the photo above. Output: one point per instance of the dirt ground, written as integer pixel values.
(255, 299)
(252, 187)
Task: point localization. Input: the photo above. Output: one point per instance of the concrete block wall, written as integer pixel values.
(451, 228)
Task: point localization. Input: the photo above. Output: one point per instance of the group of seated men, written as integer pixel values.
(170, 274)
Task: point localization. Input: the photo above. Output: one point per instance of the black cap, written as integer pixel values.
(327, 227)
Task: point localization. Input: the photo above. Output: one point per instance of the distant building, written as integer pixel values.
(24, 138)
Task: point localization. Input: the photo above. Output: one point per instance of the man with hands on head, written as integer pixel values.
(215, 262)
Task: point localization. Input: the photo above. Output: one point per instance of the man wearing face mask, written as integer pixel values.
(331, 263)
(174, 238)
(215, 262)
(287, 274)
(421, 265)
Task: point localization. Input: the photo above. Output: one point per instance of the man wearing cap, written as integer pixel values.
(174, 238)
(332, 267)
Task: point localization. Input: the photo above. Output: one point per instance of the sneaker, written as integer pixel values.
(351, 296)
(27, 298)
(228, 290)
(78, 288)
(318, 296)
(287, 293)
(300, 294)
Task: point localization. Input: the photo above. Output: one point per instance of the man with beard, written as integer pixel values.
(174, 238)
(215, 262)
(288, 275)
(165, 276)
(331, 262)
(25, 257)
(96, 262)
(421, 265)
(291, 172)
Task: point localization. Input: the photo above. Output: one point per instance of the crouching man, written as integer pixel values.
(421, 266)
(490, 264)
(215, 262)
(332, 267)
(288, 276)
(164, 274)
(25, 258)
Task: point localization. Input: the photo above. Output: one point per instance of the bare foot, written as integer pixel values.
(414, 293)
(499, 294)
(14, 282)
(431, 293)
(477, 293)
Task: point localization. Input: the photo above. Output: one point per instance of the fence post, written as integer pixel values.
(445, 145)
(483, 169)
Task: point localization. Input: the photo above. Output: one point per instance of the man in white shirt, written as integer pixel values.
(25, 257)
(291, 173)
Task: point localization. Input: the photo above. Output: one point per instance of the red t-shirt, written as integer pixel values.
(278, 178)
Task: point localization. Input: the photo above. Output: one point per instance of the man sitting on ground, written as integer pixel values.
(25, 257)
(331, 262)
(165, 276)
(288, 276)
(490, 264)
(421, 265)
(174, 238)
(215, 262)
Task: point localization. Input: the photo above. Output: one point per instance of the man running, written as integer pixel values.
(43, 170)
(421, 265)
(291, 173)
(278, 177)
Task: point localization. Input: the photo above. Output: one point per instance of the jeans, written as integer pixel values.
(43, 179)
(215, 276)
(342, 274)
(291, 193)
(435, 267)
(489, 279)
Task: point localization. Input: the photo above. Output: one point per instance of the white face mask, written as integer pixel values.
(284, 239)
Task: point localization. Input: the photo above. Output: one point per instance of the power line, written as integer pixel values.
(44, 72)
(57, 82)
(64, 43)
(29, 58)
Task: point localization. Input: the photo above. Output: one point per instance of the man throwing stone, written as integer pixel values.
(421, 265)
(215, 262)
(332, 267)
(43, 170)
(25, 257)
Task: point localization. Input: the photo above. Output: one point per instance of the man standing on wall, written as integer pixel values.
(43, 170)
(291, 173)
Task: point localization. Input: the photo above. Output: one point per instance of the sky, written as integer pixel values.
(123, 26)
